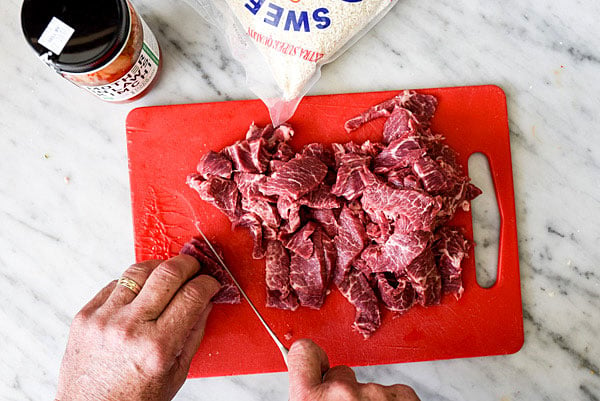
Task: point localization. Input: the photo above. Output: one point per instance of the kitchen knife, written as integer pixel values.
(282, 348)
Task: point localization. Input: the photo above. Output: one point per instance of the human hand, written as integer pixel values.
(127, 347)
(311, 379)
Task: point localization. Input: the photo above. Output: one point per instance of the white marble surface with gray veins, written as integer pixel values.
(65, 220)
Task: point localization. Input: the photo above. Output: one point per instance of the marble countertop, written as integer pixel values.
(65, 219)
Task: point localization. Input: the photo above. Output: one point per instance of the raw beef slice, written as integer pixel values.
(412, 210)
(277, 275)
(300, 242)
(297, 177)
(214, 164)
(396, 293)
(221, 193)
(425, 278)
(450, 248)
(399, 251)
(229, 293)
(358, 292)
(310, 277)
(349, 243)
(370, 217)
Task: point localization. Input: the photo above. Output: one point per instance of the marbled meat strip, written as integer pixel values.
(209, 264)
(297, 177)
(277, 277)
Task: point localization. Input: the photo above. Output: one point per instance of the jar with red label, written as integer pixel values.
(102, 46)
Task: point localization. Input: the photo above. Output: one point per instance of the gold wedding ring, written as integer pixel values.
(129, 283)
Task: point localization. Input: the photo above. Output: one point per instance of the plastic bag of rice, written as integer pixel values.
(283, 44)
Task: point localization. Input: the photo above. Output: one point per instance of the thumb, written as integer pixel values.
(307, 362)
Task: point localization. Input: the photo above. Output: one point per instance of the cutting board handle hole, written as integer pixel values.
(486, 221)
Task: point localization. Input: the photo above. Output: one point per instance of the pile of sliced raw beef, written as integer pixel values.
(369, 218)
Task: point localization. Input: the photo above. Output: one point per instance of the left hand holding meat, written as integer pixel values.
(135, 341)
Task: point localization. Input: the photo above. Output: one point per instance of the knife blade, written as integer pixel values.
(282, 348)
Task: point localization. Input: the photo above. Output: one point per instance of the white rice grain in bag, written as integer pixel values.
(283, 44)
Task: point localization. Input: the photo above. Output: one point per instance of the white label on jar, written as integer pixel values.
(138, 78)
(56, 35)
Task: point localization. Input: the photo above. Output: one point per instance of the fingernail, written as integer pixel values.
(302, 342)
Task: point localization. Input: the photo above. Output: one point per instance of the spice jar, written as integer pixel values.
(102, 46)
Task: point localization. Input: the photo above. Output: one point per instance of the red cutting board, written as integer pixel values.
(165, 143)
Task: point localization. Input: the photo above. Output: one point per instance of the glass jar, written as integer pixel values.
(102, 46)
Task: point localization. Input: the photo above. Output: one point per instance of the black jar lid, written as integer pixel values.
(101, 28)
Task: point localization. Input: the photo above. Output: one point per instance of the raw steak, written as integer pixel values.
(214, 164)
(351, 171)
(283, 153)
(321, 152)
(398, 154)
(297, 177)
(326, 218)
(360, 294)
(253, 224)
(310, 277)
(425, 278)
(222, 193)
(249, 157)
(370, 217)
(349, 243)
(277, 277)
(401, 124)
(320, 198)
(229, 293)
(412, 210)
(289, 210)
(397, 253)
(248, 184)
(450, 248)
(265, 211)
(431, 174)
(396, 293)
(300, 242)
(420, 105)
